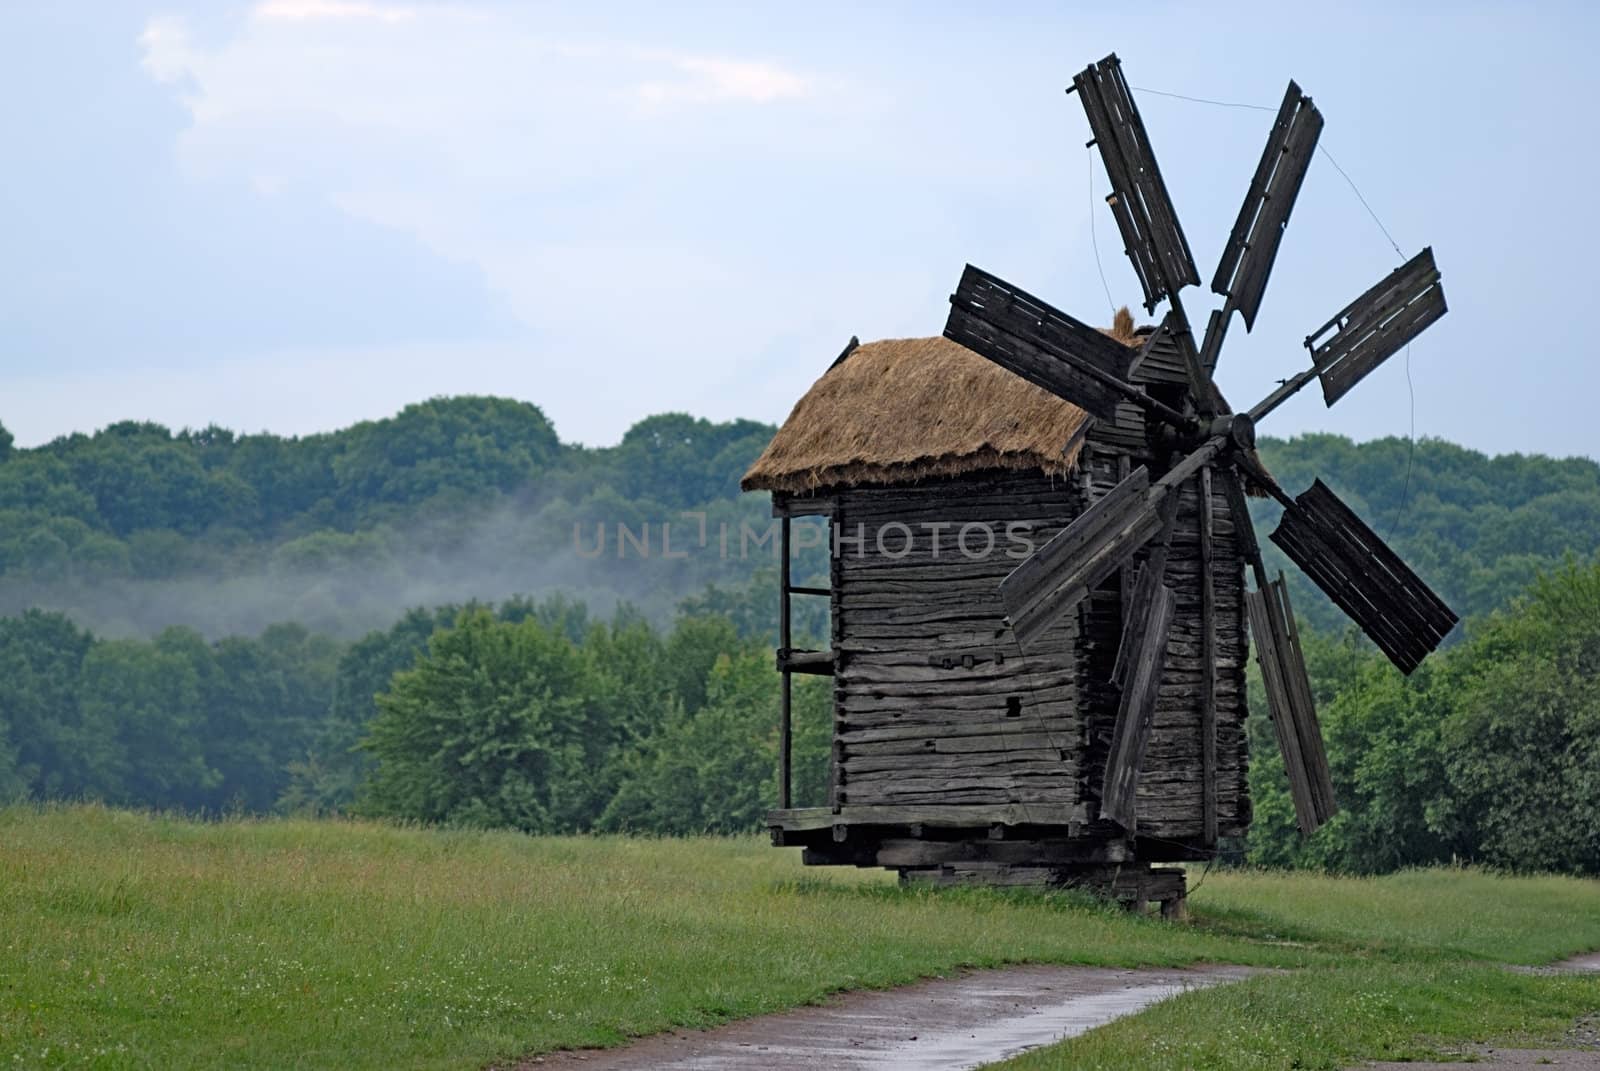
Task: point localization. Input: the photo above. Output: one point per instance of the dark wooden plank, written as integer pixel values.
(1140, 203)
(1265, 637)
(1036, 577)
(1376, 325)
(790, 505)
(1033, 363)
(1038, 342)
(1089, 550)
(1208, 656)
(817, 663)
(785, 734)
(1233, 249)
(1150, 578)
(1132, 729)
(1363, 577)
(1309, 729)
(1258, 232)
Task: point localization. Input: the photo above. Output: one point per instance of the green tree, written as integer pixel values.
(1522, 748)
(149, 695)
(497, 725)
(60, 750)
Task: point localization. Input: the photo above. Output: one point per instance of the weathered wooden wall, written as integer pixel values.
(934, 701)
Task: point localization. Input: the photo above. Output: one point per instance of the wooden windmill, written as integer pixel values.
(1126, 626)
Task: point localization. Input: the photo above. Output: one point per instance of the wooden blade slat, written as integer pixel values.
(1043, 345)
(1136, 713)
(1253, 245)
(1208, 663)
(1374, 554)
(1151, 575)
(1364, 577)
(1135, 614)
(1139, 201)
(1376, 325)
(1294, 716)
(1306, 722)
(1075, 561)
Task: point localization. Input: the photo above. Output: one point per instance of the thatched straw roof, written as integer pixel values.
(906, 409)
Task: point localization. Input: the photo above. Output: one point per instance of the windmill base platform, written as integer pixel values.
(1015, 846)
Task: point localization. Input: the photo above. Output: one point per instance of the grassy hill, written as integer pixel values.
(134, 941)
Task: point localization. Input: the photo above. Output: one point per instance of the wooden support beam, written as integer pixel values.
(785, 728)
(791, 505)
(816, 663)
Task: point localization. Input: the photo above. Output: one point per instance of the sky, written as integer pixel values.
(292, 215)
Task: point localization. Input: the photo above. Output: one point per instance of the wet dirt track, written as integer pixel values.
(940, 1025)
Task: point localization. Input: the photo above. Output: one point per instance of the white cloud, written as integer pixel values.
(300, 10)
(720, 79)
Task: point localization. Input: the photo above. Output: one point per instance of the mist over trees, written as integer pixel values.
(135, 527)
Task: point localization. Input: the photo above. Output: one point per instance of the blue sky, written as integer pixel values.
(294, 214)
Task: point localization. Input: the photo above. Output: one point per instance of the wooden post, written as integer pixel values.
(784, 729)
(1208, 668)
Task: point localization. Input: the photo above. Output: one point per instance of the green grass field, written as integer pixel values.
(128, 940)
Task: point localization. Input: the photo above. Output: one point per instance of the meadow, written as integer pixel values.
(137, 940)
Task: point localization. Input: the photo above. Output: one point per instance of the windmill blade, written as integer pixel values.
(1079, 557)
(1151, 235)
(1141, 660)
(1136, 713)
(1101, 540)
(1041, 344)
(1294, 715)
(1277, 641)
(1363, 577)
(1253, 244)
(1148, 580)
(1374, 326)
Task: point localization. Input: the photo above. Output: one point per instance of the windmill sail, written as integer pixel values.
(1253, 245)
(1150, 231)
(1366, 579)
(1073, 563)
(1294, 715)
(1136, 713)
(1374, 326)
(1041, 344)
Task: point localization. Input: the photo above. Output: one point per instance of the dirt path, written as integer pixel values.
(940, 1025)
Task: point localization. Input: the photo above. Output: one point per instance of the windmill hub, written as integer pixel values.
(1238, 428)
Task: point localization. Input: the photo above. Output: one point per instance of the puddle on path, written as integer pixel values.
(941, 1025)
(1589, 961)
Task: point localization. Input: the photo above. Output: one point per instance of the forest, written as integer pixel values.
(410, 618)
